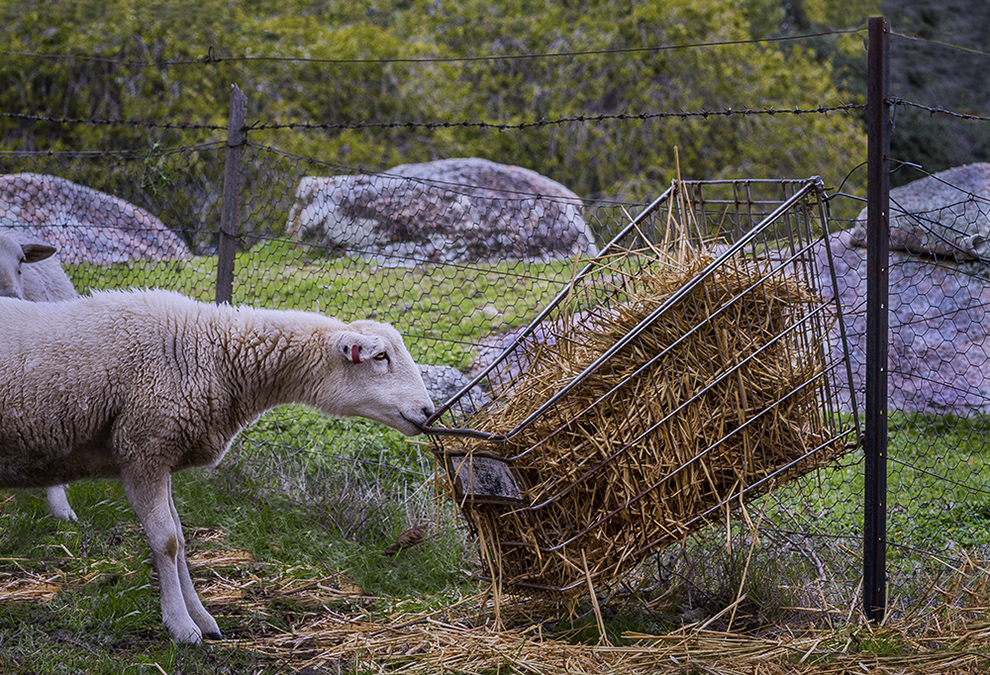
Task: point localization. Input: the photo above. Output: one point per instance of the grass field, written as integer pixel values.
(287, 536)
(277, 532)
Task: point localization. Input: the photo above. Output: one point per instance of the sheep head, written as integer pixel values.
(13, 254)
(376, 378)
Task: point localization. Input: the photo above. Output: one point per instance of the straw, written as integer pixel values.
(718, 399)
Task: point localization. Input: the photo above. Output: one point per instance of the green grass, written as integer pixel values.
(943, 460)
(314, 498)
(105, 617)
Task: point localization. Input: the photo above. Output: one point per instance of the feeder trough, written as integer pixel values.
(690, 366)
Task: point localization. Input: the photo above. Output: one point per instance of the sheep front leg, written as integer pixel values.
(152, 501)
(58, 503)
(194, 605)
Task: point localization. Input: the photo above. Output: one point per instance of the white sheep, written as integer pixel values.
(138, 385)
(30, 270)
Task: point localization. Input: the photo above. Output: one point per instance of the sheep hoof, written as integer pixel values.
(191, 639)
(213, 636)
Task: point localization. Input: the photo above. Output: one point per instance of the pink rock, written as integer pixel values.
(448, 211)
(84, 224)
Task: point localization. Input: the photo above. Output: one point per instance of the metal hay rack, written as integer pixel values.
(691, 365)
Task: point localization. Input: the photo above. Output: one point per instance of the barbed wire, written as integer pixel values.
(497, 126)
(601, 117)
(110, 121)
(481, 124)
(212, 57)
(934, 110)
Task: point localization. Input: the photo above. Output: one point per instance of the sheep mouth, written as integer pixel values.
(419, 426)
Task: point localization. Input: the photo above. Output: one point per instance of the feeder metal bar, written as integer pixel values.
(810, 185)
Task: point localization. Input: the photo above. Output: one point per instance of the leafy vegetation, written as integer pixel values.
(333, 68)
(936, 74)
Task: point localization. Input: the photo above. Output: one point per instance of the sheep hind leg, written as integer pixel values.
(194, 605)
(58, 503)
(151, 498)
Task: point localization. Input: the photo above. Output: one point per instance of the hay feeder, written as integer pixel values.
(692, 365)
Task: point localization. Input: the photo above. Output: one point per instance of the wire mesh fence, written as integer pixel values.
(939, 394)
(403, 248)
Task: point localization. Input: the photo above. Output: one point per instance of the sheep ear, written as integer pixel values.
(358, 348)
(37, 252)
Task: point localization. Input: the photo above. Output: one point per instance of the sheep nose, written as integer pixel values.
(428, 411)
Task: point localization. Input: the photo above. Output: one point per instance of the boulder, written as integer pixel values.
(939, 349)
(946, 215)
(452, 210)
(443, 382)
(84, 224)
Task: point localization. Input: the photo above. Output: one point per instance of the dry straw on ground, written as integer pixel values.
(718, 400)
(946, 632)
(464, 637)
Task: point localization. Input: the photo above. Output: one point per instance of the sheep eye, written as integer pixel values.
(381, 356)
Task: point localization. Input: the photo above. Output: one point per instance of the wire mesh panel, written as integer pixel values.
(938, 391)
(690, 366)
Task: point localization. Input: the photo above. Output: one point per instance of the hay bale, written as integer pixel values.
(719, 399)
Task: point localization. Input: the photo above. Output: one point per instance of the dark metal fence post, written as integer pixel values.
(877, 232)
(230, 213)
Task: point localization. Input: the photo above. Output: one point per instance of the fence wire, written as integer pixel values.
(153, 221)
(939, 288)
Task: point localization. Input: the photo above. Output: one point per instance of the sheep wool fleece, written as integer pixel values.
(140, 384)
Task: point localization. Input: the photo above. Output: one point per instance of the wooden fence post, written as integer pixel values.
(230, 213)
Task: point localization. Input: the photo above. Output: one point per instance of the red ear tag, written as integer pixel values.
(355, 354)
